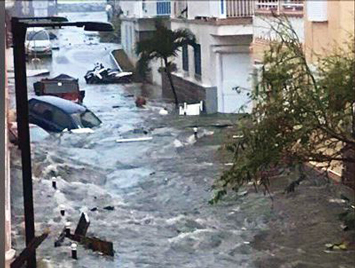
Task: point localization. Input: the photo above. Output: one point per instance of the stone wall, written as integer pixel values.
(190, 92)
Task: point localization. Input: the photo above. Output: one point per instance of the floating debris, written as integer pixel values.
(191, 109)
(134, 139)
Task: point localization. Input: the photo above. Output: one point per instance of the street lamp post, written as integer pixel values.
(18, 28)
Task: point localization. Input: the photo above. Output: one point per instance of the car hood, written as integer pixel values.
(38, 43)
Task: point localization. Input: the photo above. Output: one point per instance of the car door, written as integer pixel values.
(62, 119)
(41, 114)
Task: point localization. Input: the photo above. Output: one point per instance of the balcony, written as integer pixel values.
(213, 9)
(277, 7)
(239, 8)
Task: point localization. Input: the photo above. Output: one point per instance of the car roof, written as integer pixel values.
(65, 105)
(35, 29)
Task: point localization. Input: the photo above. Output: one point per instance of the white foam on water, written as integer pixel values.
(175, 219)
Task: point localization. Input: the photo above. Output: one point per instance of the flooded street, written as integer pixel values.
(159, 189)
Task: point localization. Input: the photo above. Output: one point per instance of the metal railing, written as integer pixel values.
(279, 6)
(239, 8)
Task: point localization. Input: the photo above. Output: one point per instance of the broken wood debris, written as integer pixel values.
(94, 244)
(79, 236)
(83, 225)
(22, 258)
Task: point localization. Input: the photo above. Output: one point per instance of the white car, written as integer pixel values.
(37, 42)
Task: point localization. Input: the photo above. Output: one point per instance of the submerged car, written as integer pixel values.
(37, 42)
(63, 86)
(56, 114)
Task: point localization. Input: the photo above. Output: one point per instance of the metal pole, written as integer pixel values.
(18, 33)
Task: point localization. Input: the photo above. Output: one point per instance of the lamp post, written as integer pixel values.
(18, 28)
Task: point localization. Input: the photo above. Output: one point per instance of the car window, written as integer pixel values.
(86, 119)
(42, 109)
(40, 35)
(62, 119)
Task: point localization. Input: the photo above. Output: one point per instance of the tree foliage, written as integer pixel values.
(302, 113)
(164, 44)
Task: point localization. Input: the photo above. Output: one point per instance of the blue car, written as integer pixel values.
(56, 114)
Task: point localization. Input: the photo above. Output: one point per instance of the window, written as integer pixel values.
(86, 119)
(41, 109)
(61, 119)
(185, 58)
(197, 56)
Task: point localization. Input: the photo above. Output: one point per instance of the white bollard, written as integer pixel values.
(74, 254)
(62, 210)
(54, 183)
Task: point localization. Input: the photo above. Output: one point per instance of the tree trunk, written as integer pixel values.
(168, 73)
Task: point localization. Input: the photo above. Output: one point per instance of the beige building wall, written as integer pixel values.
(9, 253)
(321, 38)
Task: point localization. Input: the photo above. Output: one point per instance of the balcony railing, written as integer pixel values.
(279, 6)
(239, 8)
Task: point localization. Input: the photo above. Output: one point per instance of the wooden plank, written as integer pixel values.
(60, 239)
(22, 258)
(83, 225)
(94, 244)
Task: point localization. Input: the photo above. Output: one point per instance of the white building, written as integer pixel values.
(218, 67)
(220, 64)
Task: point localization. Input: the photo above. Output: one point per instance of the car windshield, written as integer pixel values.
(86, 119)
(39, 35)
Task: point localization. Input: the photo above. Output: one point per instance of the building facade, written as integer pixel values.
(220, 63)
(266, 11)
(328, 25)
(322, 27)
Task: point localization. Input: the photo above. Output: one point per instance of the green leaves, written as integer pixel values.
(301, 113)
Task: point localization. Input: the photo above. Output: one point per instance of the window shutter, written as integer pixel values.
(197, 56)
(317, 10)
(185, 58)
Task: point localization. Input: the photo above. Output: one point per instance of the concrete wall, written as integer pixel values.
(9, 253)
(190, 92)
(215, 70)
(323, 37)
(204, 8)
(129, 37)
(206, 40)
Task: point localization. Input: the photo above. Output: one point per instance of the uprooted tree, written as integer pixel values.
(303, 113)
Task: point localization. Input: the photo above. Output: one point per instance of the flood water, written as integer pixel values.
(159, 188)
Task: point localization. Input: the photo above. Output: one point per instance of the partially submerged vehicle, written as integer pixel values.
(57, 114)
(63, 86)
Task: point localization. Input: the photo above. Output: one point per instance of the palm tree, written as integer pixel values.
(164, 44)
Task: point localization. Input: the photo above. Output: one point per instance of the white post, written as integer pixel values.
(220, 101)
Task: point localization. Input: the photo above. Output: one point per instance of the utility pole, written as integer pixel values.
(18, 34)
